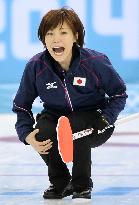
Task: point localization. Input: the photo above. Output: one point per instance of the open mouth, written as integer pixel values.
(58, 50)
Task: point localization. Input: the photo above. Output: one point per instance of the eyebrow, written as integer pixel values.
(64, 28)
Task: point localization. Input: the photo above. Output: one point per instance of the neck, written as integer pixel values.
(65, 66)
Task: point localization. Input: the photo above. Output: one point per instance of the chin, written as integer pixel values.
(59, 59)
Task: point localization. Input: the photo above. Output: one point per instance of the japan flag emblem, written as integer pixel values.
(79, 81)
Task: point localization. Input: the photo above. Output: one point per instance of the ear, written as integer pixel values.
(77, 36)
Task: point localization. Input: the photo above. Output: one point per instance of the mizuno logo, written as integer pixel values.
(51, 85)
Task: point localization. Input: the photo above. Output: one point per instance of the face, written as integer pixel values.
(59, 42)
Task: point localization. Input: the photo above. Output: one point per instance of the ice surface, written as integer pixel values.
(115, 169)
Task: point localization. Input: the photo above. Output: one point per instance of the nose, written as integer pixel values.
(56, 38)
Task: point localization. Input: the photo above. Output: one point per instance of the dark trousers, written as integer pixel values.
(58, 172)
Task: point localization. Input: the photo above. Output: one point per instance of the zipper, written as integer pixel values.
(64, 85)
(67, 92)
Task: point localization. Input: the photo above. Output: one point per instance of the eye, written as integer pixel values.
(49, 33)
(63, 32)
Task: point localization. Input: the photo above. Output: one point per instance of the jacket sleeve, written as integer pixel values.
(22, 104)
(113, 86)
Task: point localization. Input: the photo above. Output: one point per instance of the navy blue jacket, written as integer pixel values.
(90, 78)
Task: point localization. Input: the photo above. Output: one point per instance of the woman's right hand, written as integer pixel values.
(40, 147)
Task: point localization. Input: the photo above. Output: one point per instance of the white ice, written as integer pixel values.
(115, 169)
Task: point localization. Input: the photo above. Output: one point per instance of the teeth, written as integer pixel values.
(58, 50)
